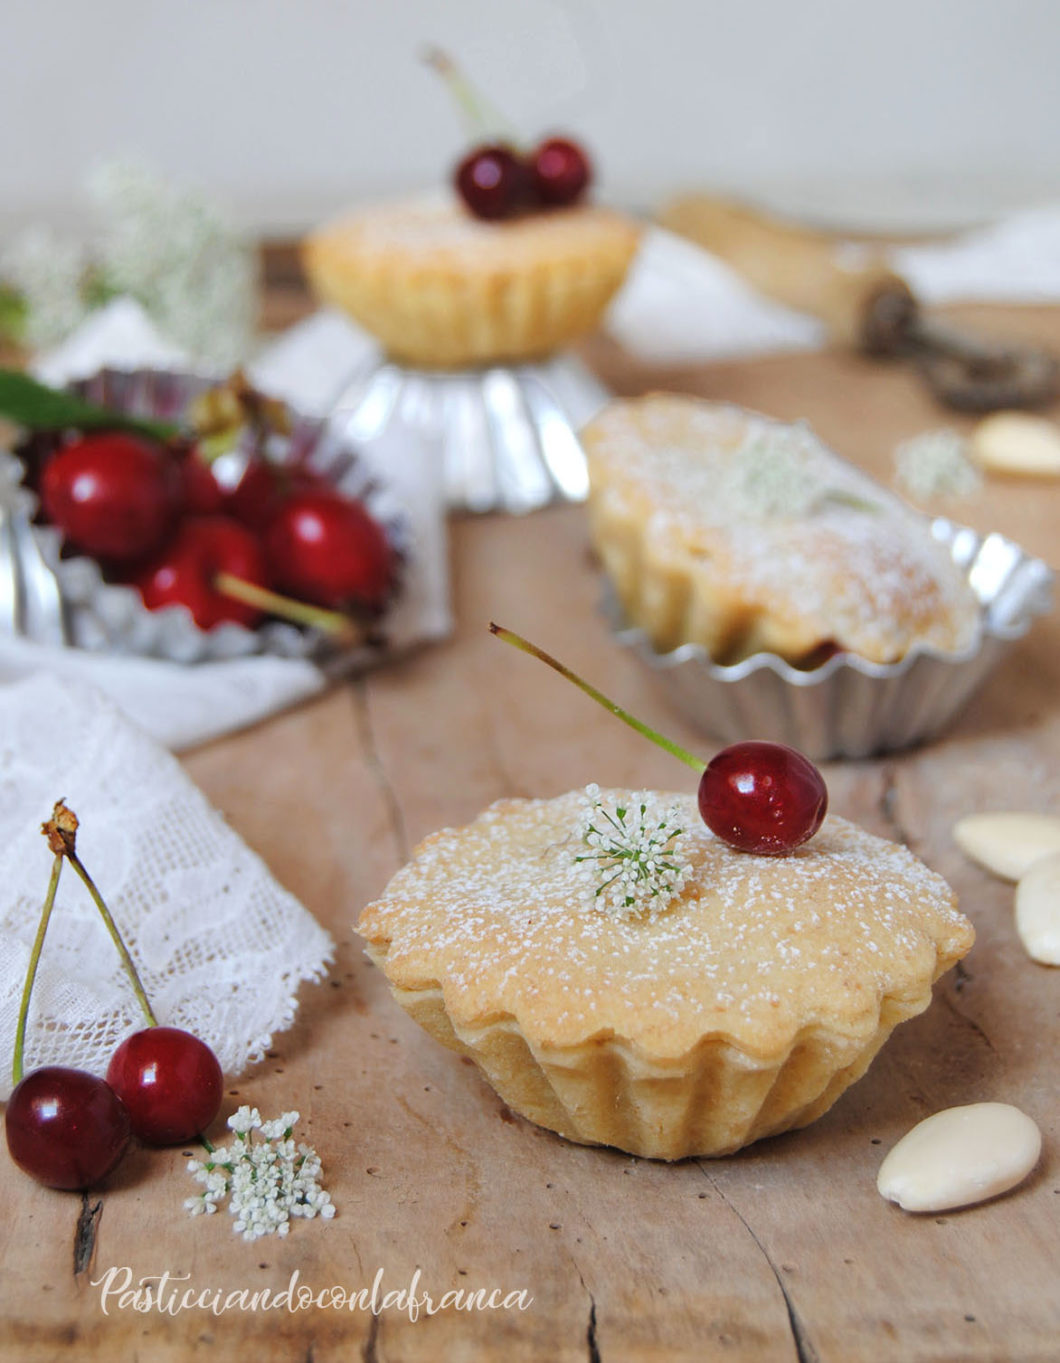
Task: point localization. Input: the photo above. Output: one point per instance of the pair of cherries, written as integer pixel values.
(158, 520)
(68, 1128)
(495, 181)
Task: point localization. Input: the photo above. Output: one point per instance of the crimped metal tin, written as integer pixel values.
(505, 434)
(850, 707)
(55, 599)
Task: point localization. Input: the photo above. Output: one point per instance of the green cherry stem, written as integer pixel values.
(480, 117)
(339, 626)
(118, 940)
(667, 744)
(31, 972)
(61, 833)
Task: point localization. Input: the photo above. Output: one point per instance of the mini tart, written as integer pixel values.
(441, 288)
(743, 1009)
(721, 528)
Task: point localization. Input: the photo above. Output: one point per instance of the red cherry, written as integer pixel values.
(493, 182)
(264, 487)
(185, 572)
(170, 1083)
(65, 1128)
(325, 548)
(201, 494)
(112, 495)
(762, 797)
(561, 171)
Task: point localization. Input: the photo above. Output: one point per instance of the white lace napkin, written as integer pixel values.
(221, 947)
(182, 706)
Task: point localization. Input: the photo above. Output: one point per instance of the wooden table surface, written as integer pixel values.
(782, 1252)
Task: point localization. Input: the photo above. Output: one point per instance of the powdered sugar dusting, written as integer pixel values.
(437, 231)
(754, 948)
(768, 517)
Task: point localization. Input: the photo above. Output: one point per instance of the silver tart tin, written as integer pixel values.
(850, 707)
(54, 599)
(505, 434)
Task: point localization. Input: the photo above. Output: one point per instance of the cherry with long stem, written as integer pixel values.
(168, 1079)
(66, 1128)
(759, 797)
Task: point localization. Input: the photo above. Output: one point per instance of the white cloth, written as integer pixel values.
(681, 305)
(1014, 260)
(185, 705)
(220, 946)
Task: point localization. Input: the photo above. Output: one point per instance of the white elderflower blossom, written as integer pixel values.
(936, 464)
(634, 856)
(47, 272)
(266, 1181)
(173, 251)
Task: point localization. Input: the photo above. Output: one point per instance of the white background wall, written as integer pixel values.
(895, 111)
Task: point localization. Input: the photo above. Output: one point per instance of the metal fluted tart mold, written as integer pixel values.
(505, 434)
(59, 599)
(851, 707)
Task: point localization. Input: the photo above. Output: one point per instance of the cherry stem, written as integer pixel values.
(480, 117)
(116, 937)
(667, 744)
(344, 629)
(31, 971)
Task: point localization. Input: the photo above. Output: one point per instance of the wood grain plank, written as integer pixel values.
(782, 1252)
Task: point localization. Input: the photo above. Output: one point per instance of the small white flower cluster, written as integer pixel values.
(172, 249)
(634, 857)
(774, 477)
(266, 1181)
(47, 273)
(779, 473)
(936, 464)
(167, 247)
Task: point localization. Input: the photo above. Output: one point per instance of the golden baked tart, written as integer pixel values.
(442, 288)
(739, 1002)
(722, 528)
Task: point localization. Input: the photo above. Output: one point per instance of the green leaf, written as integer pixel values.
(39, 408)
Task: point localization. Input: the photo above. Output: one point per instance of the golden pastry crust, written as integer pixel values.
(441, 288)
(721, 528)
(745, 1008)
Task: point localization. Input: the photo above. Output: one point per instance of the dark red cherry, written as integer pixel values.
(112, 495)
(185, 572)
(201, 493)
(324, 548)
(561, 171)
(762, 797)
(66, 1128)
(264, 487)
(493, 182)
(170, 1083)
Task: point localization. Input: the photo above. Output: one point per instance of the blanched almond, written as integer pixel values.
(959, 1156)
(1007, 843)
(1038, 910)
(1015, 442)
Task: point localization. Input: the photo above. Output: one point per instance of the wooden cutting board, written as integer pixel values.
(782, 1252)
